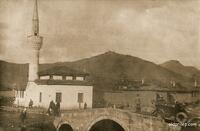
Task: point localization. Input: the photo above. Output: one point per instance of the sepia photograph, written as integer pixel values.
(99, 65)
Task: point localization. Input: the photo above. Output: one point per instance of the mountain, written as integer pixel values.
(177, 67)
(104, 69)
(13, 75)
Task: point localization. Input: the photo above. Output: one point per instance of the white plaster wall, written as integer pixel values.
(44, 77)
(19, 101)
(69, 95)
(33, 67)
(79, 78)
(69, 78)
(55, 77)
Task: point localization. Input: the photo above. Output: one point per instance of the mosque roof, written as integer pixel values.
(62, 70)
(63, 82)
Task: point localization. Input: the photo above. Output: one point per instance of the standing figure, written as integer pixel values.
(30, 103)
(85, 105)
(57, 108)
(51, 109)
(138, 104)
(23, 116)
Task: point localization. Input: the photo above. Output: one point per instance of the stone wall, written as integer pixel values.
(147, 99)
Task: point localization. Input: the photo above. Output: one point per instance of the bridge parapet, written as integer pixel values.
(83, 120)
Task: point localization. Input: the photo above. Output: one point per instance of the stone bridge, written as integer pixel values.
(89, 119)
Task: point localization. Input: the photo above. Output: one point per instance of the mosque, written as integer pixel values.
(60, 84)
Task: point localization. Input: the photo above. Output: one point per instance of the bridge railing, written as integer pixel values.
(109, 111)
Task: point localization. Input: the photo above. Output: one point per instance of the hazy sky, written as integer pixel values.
(155, 30)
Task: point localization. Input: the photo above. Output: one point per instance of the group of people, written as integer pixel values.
(54, 109)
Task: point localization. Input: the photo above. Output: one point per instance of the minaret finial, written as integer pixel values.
(35, 19)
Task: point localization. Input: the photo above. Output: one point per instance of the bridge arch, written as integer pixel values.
(64, 126)
(105, 117)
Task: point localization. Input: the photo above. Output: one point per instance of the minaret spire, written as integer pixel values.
(35, 41)
(35, 19)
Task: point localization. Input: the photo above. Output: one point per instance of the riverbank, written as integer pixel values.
(36, 120)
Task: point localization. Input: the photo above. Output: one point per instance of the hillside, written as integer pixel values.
(109, 67)
(104, 69)
(179, 68)
(13, 75)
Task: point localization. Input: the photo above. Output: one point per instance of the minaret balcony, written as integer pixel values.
(35, 41)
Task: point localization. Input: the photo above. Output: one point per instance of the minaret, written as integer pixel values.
(35, 26)
(36, 42)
